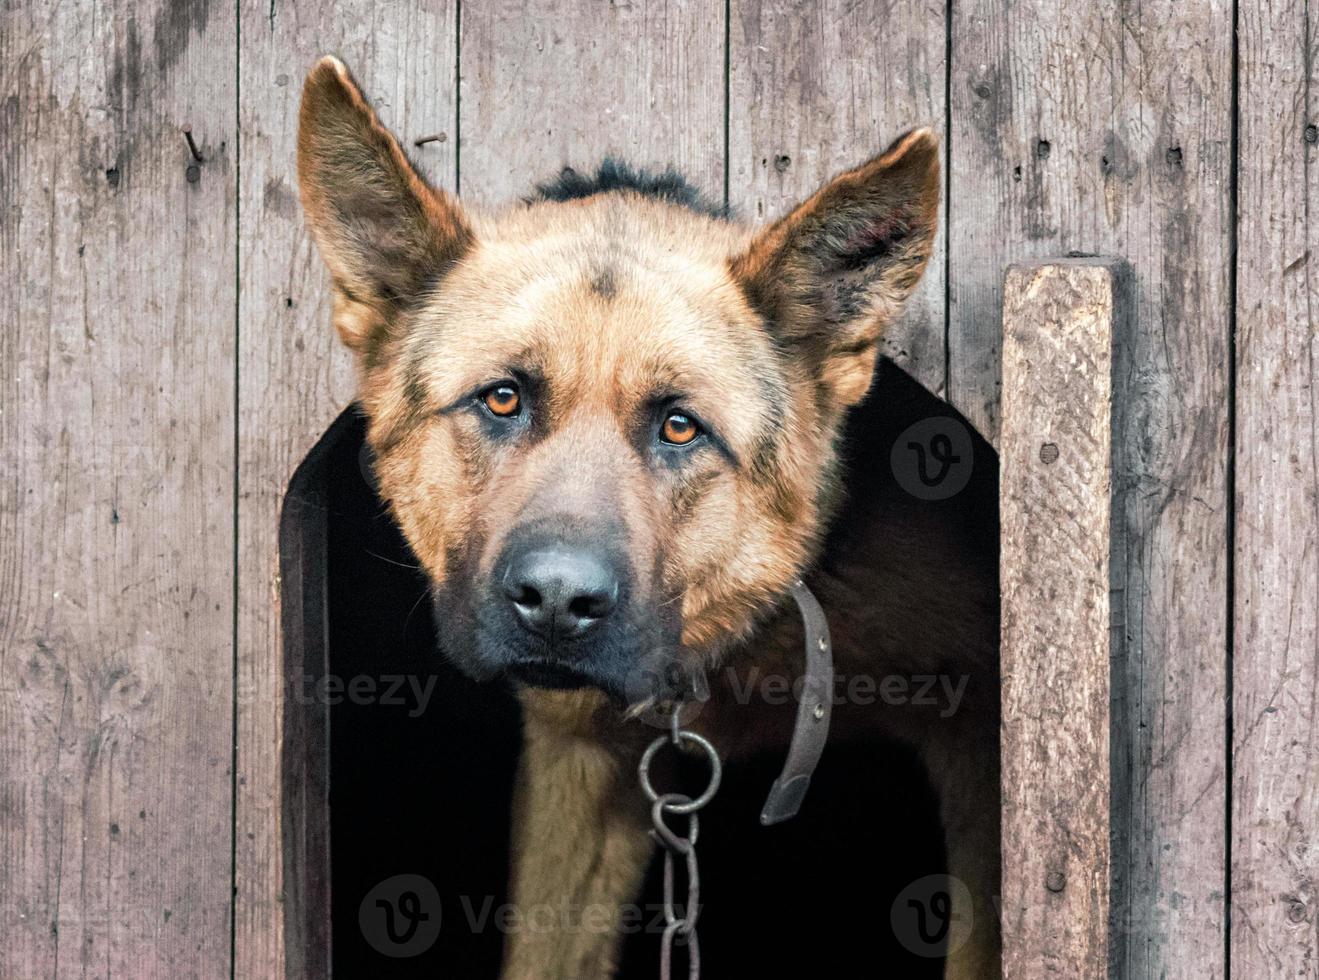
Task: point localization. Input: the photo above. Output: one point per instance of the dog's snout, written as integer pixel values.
(558, 590)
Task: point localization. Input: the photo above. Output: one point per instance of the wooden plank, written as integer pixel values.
(116, 508)
(294, 377)
(1061, 324)
(304, 761)
(563, 83)
(1107, 128)
(1275, 771)
(817, 87)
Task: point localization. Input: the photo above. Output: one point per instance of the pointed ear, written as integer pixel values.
(832, 274)
(385, 233)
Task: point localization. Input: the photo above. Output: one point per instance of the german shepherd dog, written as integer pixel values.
(609, 424)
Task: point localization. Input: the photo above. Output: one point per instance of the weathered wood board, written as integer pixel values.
(116, 507)
(1275, 687)
(1107, 128)
(170, 360)
(1063, 323)
(560, 83)
(295, 378)
(818, 87)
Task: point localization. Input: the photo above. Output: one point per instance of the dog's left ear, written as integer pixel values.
(833, 273)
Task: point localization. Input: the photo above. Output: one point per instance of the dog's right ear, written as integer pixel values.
(385, 233)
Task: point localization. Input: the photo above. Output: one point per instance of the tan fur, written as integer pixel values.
(784, 264)
(581, 840)
(608, 296)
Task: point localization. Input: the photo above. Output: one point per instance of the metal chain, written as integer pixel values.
(679, 845)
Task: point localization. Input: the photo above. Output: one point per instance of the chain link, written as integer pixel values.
(677, 846)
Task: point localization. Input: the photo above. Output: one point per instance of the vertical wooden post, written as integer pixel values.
(1275, 653)
(1054, 145)
(1062, 323)
(117, 293)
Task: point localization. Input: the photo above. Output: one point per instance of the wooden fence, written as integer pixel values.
(167, 360)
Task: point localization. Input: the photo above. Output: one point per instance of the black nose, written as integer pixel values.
(559, 590)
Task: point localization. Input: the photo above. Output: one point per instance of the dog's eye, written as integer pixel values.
(679, 429)
(502, 400)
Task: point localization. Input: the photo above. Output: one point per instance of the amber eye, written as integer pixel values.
(503, 400)
(679, 429)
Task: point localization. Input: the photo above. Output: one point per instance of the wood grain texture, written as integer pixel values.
(1060, 325)
(1107, 128)
(116, 507)
(818, 87)
(1102, 128)
(294, 378)
(1275, 816)
(559, 83)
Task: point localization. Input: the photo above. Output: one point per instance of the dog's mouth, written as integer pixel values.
(642, 682)
(550, 674)
(628, 660)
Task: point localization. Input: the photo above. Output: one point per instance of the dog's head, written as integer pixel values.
(604, 420)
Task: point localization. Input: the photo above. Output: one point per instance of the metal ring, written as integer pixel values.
(716, 771)
(667, 836)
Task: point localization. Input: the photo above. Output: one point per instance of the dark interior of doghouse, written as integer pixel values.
(421, 785)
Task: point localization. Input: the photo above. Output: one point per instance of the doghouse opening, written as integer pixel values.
(399, 773)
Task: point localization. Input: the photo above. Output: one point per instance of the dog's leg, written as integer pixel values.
(579, 849)
(963, 762)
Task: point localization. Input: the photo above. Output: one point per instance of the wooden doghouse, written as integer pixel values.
(168, 363)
